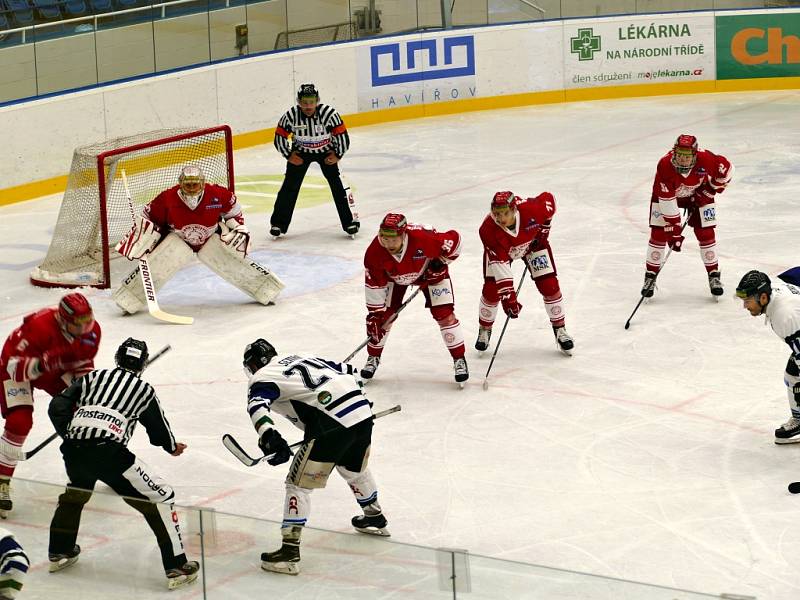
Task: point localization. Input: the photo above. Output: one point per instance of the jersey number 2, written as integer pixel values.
(303, 368)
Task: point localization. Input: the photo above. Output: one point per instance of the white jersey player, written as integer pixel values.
(779, 301)
(324, 399)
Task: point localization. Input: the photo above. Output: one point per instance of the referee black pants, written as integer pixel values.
(293, 179)
(116, 466)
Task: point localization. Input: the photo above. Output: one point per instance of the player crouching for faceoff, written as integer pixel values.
(324, 399)
(401, 255)
(686, 178)
(193, 217)
(52, 347)
(779, 302)
(517, 228)
(96, 416)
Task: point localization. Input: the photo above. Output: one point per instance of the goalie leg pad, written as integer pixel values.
(166, 260)
(244, 273)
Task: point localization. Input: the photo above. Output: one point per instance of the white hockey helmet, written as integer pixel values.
(192, 183)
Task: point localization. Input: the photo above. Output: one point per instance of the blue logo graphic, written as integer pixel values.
(422, 72)
(540, 262)
(709, 213)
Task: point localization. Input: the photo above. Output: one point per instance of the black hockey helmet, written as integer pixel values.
(307, 90)
(754, 283)
(132, 355)
(257, 355)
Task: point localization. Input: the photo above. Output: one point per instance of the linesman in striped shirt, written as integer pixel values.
(96, 416)
(311, 132)
(324, 399)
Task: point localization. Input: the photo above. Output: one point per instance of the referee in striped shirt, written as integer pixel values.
(318, 135)
(96, 416)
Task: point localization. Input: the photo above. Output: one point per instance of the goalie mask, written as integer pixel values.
(75, 315)
(132, 355)
(192, 184)
(257, 355)
(684, 154)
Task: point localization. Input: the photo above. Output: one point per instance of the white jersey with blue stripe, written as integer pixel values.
(296, 386)
(783, 314)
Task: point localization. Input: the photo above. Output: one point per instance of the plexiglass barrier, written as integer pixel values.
(49, 46)
(119, 559)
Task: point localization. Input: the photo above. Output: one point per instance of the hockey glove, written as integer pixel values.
(674, 237)
(235, 235)
(704, 195)
(141, 239)
(376, 320)
(271, 442)
(436, 272)
(511, 305)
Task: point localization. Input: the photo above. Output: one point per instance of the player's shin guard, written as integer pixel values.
(452, 335)
(166, 260)
(487, 312)
(296, 506)
(708, 248)
(554, 306)
(18, 424)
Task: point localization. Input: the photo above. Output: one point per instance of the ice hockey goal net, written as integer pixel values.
(94, 212)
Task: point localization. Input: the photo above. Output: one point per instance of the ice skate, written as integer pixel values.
(59, 562)
(649, 286)
(352, 229)
(368, 372)
(286, 560)
(5, 498)
(789, 432)
(461, 371)
(484, 335)
(715, 284)
(371, 524)
(275, 232)
(563, 340)
(183, 575)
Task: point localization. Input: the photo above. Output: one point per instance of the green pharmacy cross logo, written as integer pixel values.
(586, 44)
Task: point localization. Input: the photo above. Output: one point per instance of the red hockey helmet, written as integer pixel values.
(393, 225)
(75, 314)
(503, 200)
(684, 153)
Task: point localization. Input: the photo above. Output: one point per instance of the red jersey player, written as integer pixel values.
(517, 228)
(686, 178)
(193, 217)
(401, 255)
(51, 348)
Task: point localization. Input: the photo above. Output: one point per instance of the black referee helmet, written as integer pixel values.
(132, 355)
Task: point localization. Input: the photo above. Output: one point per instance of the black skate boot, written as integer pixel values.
(563, 340)
(789, 432)
(352, 229)
(484, 335)
(715, 283)
(649, 286)
(64, 560)
(286, 559)
(461, 371)
(5, 498)
(368, 372)
(183, 575)
(371, 524)
(275, 232)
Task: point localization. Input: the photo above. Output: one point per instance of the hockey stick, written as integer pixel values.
(33, 451)
(147, 279)
(638, 304)
(502, 333)
(236, 449)
(394, 316)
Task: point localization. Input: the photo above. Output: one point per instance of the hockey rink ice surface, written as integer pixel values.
(647, 455)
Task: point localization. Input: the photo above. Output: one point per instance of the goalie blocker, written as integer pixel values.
(227, 261)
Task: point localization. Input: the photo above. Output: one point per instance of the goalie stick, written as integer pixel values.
(394, 316)
(236, 449)
(25, 455)
(147, 279)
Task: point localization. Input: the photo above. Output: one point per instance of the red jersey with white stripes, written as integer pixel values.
(40, 332)
(169, 213)
(502, 245)
(420, 247)
(672, 190)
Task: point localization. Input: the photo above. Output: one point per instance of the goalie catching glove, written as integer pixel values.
(271, 442)
(141, 239)
(235, 235)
